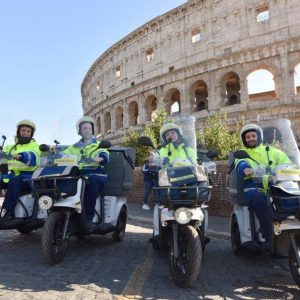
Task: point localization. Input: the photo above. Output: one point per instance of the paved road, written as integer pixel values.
(98, 268)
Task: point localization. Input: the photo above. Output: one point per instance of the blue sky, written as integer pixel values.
(46, 48)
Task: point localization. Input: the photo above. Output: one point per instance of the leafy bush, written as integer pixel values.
(216, 134)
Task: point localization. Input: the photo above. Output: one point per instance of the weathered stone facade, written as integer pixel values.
(198, 56)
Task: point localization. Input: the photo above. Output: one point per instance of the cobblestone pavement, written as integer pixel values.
(98, 268)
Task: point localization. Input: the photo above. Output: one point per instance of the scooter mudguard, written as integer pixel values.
(28, 202)
(112, 208)
(243, 219)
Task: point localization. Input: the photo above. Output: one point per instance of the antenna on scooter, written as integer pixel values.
(270, 162)
(4, 139)
(169, 150)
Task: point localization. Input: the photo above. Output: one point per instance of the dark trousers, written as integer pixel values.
(92, 191)
(258, 203)
(149, 183)
(15, 186)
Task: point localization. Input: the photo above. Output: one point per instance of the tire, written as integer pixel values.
(119, 232)
(185, 269)
(295, 269)
(235, 236)
(53, 247)
(25, 229)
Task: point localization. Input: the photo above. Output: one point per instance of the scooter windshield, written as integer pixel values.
(62, 135)
(177, 156)
(278, 133)
(178, 141)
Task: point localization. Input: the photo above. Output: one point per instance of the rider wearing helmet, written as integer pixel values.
(175, 152)
(262, 156)
(92, 168)
(25, 156)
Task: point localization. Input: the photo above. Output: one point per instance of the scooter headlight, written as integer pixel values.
(45, 202)
(183, 215)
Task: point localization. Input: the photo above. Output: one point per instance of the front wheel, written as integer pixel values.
(119, 232)
(185, 268)
(54, 247)
(294, 267)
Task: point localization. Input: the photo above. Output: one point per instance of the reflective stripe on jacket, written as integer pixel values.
(30, 157)
(90, 151)
(260, 154)
(180, 154)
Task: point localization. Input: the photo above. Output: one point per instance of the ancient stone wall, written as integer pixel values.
(196, 59)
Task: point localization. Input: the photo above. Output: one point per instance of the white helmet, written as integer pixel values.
(169, 126)
(26, 123)
(85, 119)
(248, 128)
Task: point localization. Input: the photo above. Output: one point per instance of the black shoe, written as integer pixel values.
(265, 247)
(90, 225)
(9, 216)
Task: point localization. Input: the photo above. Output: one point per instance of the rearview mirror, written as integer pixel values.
(212, 153)
(241, 154)
(145, 141)
(44, 147)
(104, 144)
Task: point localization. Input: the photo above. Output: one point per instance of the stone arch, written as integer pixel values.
(98, 125)
(119, 118)
(107, 122)
(172, 101)
(231, 89)
(133, 113)
(261, 84)
(297, 79)
(199, 93)
(151, 108)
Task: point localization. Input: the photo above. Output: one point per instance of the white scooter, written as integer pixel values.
(60, 190)
(283, 199)
(180, 221)
(28, 216)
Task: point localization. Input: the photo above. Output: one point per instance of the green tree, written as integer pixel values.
(216, 134)
(151, 130)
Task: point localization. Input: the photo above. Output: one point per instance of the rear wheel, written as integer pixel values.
(235, 236)
(25, 229)
(54, 247)
(185, 268)
(294, 267)
(119, 233)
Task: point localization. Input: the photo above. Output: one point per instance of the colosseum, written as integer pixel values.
(200, 58)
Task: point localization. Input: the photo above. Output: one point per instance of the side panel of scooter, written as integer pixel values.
(42, 214)
(156, 220)
(28, 202)
(73, 201)
(110, 203)
(112, 208)
(242, 216)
